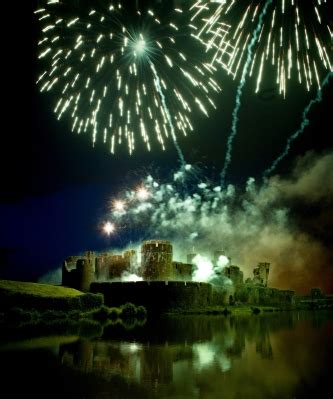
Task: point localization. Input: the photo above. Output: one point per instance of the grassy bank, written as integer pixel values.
(23, 303)
(42, 290)
(43, 297)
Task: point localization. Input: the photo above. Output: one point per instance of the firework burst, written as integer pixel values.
(295, 39)
(163, 207)
(122, 73)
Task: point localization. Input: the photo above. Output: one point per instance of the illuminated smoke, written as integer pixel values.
(252, 224)
(206, 271)
(130, 277)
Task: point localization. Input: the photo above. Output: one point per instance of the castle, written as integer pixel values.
(157, 264)
(165, 283)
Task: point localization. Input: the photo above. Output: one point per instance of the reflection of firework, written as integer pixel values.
(295, 38)
(103, 63)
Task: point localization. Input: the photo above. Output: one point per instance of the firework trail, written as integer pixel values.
(304, 124)
(167, 112)
(295, 41)
(97, 63)
(240, 92)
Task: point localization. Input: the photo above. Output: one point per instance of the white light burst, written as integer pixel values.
(108, 228)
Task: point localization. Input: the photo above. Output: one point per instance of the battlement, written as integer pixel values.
(156, 243)
(193, 284)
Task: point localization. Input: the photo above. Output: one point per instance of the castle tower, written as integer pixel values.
(156, 260)
(99, 267)
(234, 273)
(260, 274)
(131, 258)
(191, 256)
(86, 271)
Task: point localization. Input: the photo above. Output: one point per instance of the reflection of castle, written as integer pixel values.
(187, 345)
(149, 364)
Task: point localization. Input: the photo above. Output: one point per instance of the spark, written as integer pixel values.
(295, 42)
(168, 115)
(122, 75)
(142, 193)
(240, 92)
(109, 228)
(119, 206)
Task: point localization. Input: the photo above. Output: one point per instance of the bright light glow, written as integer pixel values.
(119, 206)
(140, 46)
(142, 193)
(109, 228)
(126, 276)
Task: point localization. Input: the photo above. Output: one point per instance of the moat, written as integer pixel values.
(277, 355)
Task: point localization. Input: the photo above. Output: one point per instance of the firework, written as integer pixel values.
(212, 32)
(121, 73)
(295, 39)
(142, 193)
(108, 228)
(119, 206)
(240, 89)
(191, 209)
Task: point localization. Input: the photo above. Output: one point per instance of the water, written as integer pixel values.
(276, 355)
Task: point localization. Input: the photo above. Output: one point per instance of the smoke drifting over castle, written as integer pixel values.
(160, 283)
(157, 264)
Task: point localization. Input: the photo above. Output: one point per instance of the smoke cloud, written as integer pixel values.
(286, 221)
(206, 271)
(52, 277)
(127, 276)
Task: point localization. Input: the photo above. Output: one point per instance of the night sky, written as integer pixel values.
(56, 187)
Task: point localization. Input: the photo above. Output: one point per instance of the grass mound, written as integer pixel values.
(44, 297)
(44, 290)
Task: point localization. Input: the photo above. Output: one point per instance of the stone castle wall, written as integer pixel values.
(161, 295)
(258, 295)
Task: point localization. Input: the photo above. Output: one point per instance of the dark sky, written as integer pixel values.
(55, 186)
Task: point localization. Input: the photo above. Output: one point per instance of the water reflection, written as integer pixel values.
(195, 355)
(280, 355)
